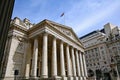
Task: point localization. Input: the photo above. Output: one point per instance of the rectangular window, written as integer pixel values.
(16, 72)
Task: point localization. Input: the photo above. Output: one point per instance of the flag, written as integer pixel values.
(62, 14)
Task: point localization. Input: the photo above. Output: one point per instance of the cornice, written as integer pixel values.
(37, 26)
(57, 24)
(92, 38)
(18, 27)
(19, 38)
(94, 46)
(43, 27)
(112, 42)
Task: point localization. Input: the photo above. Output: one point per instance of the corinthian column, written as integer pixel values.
(81, 65)
(84, 62)
(44, 70)
(62, 61)
(54, 58)
(34, 59)
(69, 70)
(77, 62)
(73, 62)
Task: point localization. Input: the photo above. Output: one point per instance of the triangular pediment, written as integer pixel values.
(65, 30)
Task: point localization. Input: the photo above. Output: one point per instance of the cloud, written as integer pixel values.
(36, 3)
(81, 15)
(84, 15)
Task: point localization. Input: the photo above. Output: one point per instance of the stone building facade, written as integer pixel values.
(46, 50)
(100, 47)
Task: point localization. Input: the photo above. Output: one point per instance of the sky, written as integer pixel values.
(83, 16)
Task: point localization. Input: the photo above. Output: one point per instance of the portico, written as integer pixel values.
(54, 51)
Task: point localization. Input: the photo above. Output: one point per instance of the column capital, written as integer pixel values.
(71, 47)
(36, 39)
(76, 50)
(54, 37)
(79, 51)
(67, 45)
(61, 41)
(45, 33)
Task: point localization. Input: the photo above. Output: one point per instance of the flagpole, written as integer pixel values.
(63, 15)
(64, 18)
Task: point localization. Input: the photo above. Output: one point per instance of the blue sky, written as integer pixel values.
(83, 16)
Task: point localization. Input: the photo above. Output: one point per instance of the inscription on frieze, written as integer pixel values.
(66, 32)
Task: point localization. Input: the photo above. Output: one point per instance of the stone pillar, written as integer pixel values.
(81, 64)
(84, 63)
(54, 58)
(34, 59)
(77, 63)
(24, 60)
(73, 62)
(28, 58)
(44, 70)
(10, 64)
(69, 70)
(39, 65)
(62, 61)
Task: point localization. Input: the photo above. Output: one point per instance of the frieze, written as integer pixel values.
(66, 32)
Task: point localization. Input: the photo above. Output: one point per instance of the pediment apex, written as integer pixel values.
(68, 31)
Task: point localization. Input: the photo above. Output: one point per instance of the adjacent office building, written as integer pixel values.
(101, 48)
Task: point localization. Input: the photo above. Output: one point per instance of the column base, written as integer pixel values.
(27, 77)
(76, 78)
(70, 78)
(64, 78)
(34, 78)
(81, 78)
(55, 78)
(7, 78)
(84, 78)
(43, 77)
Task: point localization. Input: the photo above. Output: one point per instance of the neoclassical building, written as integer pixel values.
(46, 50)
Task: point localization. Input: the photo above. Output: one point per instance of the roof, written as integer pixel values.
(102, 30)
(88, 34)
